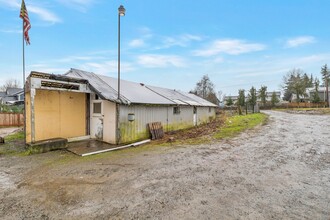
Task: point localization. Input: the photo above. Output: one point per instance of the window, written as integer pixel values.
(97, 108)
(21, 97)
(210, 109)
(176, 110)
(96, 97)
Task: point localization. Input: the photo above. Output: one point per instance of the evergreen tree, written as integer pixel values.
(326, 79)
(295, 82)
(252, 100)
(229, 101)
(274, 99)
(241, 97)
(263, 95)
(316, 97)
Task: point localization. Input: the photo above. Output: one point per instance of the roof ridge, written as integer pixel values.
(189, 97)
(126, 99)
(158, 93)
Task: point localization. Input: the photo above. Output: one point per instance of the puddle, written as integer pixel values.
(5, 181)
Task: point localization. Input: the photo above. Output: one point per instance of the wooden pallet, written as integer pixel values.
(156, 130)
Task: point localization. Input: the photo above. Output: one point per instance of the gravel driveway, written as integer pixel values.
(277, 171)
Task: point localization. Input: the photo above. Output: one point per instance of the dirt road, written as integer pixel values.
(278, 171)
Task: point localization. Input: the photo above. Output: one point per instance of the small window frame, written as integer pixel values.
(100, 112)
(176, 110)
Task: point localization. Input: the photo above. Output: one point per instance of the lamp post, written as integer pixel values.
(121, 12)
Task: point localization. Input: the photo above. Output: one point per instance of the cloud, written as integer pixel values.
(44, 14)
(41, 12)
(107, 67)
(145, 32)
(12, 4)
(41, 67)
(155, 60)
(298, 41)
(182, 41)
(137, 43)
(11, 31)
(71, 59)
(80, 5)
(229, 46)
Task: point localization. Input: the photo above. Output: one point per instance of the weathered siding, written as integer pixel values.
(180, 121)
(109, 122)
(136, 130)
(57, 114)
(205, 114)
(28, 117)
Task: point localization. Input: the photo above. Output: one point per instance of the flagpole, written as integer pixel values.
(24, 111)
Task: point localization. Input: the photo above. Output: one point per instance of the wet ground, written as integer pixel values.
(278, 171)
(6, 131)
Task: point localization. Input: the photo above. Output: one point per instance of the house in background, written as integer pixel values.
(270, 94)
(12, 96)
(234, 98)
(82, 105)
(322, 94)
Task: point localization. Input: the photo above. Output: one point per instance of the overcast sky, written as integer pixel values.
(170, 43)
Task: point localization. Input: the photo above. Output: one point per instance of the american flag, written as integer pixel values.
(26, 22)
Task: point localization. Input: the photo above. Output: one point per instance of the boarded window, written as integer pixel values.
(176, 110)
(97, 108)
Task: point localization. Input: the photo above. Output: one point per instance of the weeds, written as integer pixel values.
(236, 124)
(15, 137)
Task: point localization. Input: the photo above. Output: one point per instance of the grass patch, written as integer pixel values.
(15, 137)
(237, 124)
(14, 144)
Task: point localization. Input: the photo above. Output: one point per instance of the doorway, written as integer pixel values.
(195, 116)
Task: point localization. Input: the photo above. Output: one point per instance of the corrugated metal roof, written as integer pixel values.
(199, 100)
(181, 98)
(103, 89)
(130, 92)
(12, 91)
(138, 93)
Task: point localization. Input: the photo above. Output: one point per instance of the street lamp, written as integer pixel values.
(121, 12)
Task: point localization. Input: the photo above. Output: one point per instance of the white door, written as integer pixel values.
(195, 116)
(97, 120)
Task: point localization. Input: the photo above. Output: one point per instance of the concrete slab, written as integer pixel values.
(90, 147)
(87, 146)
(47, 145)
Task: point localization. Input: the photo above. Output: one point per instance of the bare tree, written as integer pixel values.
(205, 89)
(10, 83)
